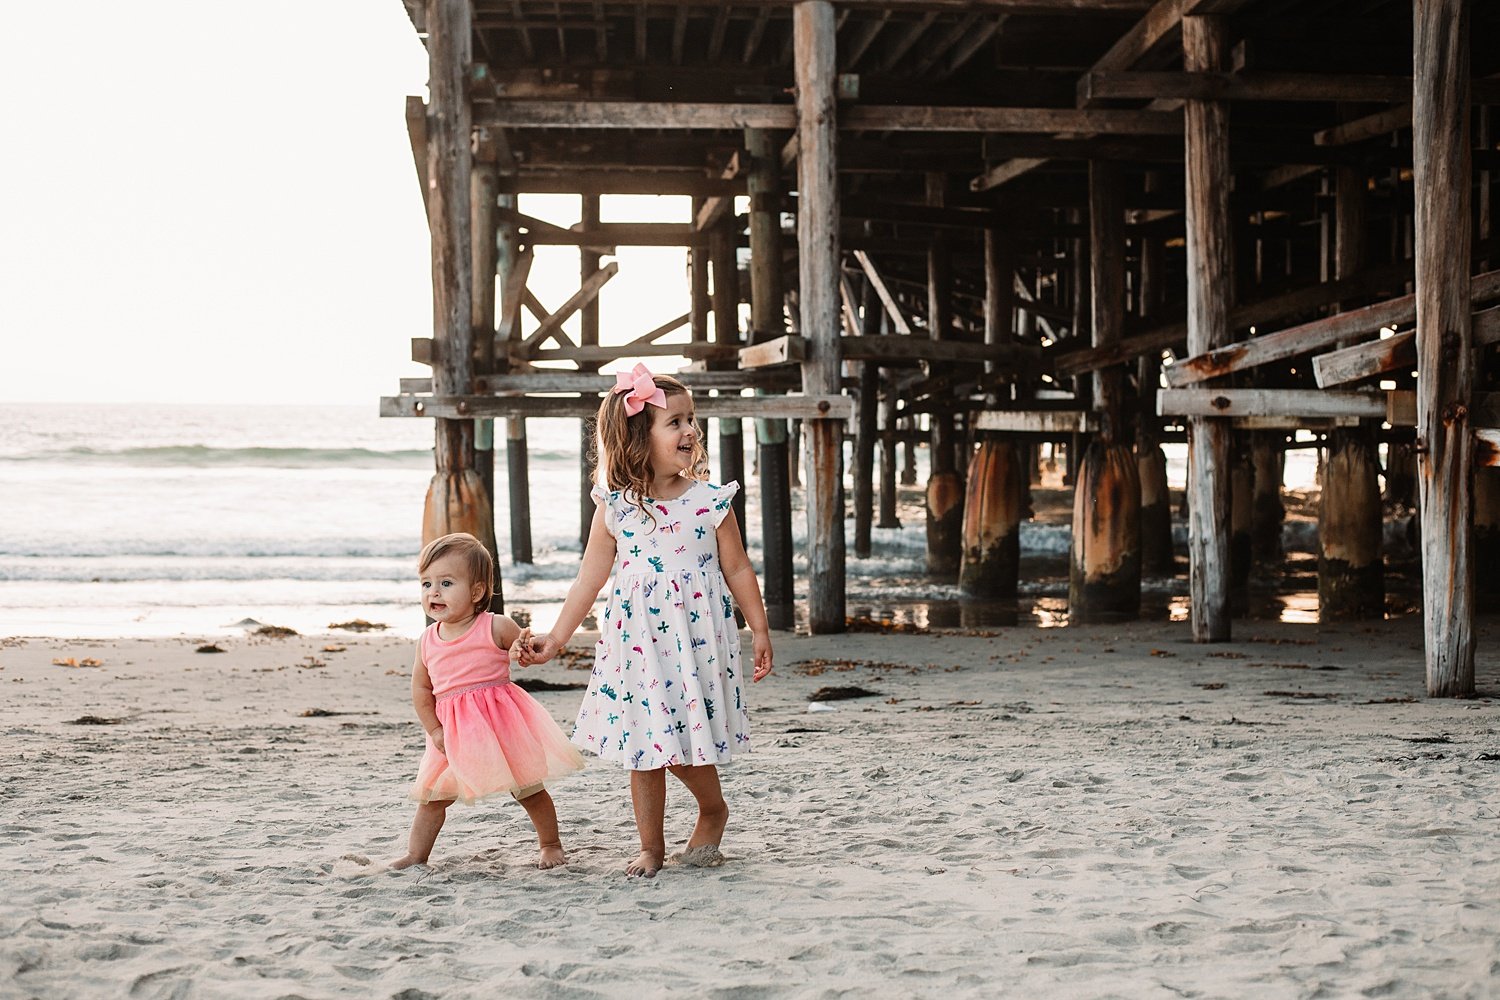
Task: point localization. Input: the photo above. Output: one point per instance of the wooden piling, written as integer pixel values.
(767, 322)
(945, 512)
(1441, 181)
(507, 260)
(1206, 127)
(726, 309)
(1105, 569)
(993, 511)
(888, 471)
(588, 334)
(1157, 555)
(864, 434)
(1487, 528)
(484, 194)
(1351, 572)
(1241, 511)
(814, 43)
(1267, 465)
(456, 498)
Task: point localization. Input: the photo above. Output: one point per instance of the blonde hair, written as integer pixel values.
(622, 445)
(476, 557)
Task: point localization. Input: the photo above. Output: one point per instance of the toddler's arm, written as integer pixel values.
(425, 704)
(739, 574)
(593, 574)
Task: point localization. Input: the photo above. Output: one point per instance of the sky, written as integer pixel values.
(209, 202)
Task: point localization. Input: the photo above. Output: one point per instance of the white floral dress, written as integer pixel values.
(666, 687)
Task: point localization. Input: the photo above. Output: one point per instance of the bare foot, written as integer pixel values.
(702, 856)
(646, 865)
(551, 856)
(709, 830)
(405, 861)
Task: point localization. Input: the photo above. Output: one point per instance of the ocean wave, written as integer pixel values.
(202, 456)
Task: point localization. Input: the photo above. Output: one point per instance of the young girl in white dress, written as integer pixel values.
(667, 691)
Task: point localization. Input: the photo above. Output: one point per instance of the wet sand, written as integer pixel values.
(1094, 811)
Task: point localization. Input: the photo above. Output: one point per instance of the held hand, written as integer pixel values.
(543, 648)
(436, 736)
(761, 647)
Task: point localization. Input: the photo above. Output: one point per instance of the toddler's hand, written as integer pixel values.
(761, 647)
(436, 735)
(520, 650)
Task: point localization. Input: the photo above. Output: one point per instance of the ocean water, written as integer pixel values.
(158, 520)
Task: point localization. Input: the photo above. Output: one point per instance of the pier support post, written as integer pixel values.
(864, 433)
(588, 335)
(945, 498)
(507, 244)
(815, 45)
(1441, 181)
(1351, 571)
(1104, 579)
(1267, 465)
(767, 322)
(995, 503)
(1241, 517)
(726, 303)
(456, 498)
(888, 518)
(484, 195)
(1206, 127)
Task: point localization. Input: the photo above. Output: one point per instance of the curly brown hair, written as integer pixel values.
(622, 445)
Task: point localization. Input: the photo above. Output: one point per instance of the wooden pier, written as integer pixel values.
(1087, 222)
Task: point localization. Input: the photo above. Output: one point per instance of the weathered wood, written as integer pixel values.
(784, 350)
(1351, 574)
(622, 234)
(1487, 448)
(893, 310)
(1368, 127)
(813, 33)
(585, 295)
(1201, 402)
(944, 484)
(726, 308)
(416, 133)
(605, 353)
(1107, 294)
(1104, 565)
(865, 430)
(1441, 182)
(867, 118)
(465, 408)
(1374, 357)
(1044, 422)
(1021, 357)
(1267, 462)
(653, 336)
(1136, 85)
(1253, 314)
(588, 336)
(993, 511)
(1209, 240)
(1319, 333)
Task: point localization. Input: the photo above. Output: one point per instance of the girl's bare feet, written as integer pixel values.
(646, 865)
(405, 861)
(551, 856)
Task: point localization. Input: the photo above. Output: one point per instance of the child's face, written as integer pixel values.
(448, 595)
(673, 435)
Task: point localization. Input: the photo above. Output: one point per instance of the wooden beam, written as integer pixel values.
(1096, 85)
(653, 336)
(602, 354)
(416, 133)
(1401, 409)
(1486, 448)
(513, 296)
(892, 118)
(785, 350)
(1036, 421)
(1270, 403)
(1318, 334)
(473, 407)
(892, 308)
(552, 325)
(1005, 357)
(622, 234)
(586, 382)
(1375, 357)
(1368, 127)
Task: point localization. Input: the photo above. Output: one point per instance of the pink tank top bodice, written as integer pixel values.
(472, 658)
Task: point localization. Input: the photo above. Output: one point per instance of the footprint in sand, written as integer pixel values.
(357, 866)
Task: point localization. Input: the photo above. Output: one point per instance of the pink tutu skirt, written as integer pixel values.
(499, 739)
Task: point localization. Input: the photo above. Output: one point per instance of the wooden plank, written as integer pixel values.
(1350, 364)
(552, 325)
(1097, 85)
(1441, 180)
(888, 348)
(1318, 334)
(1486, 448)
(1368, 127)
(1270, 403)
(416, 133)
(598, 355)
(575, 381)
(881, 118)
(1036, 421)
(622, 234)
(789, 349)
(513, 295)
(892, 308)
(653, 336)
(471, 407)
(1401, 408)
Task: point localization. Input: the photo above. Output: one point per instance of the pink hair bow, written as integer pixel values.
(640, 388)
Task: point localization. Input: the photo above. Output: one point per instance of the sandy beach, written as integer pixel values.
(1093, 811)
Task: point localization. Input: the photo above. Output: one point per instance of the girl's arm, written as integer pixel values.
(423, 701)
(593, 574)
(739, 574)
(504, 631)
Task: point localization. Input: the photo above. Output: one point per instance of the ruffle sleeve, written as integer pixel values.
(723, 496)
(605, 498)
